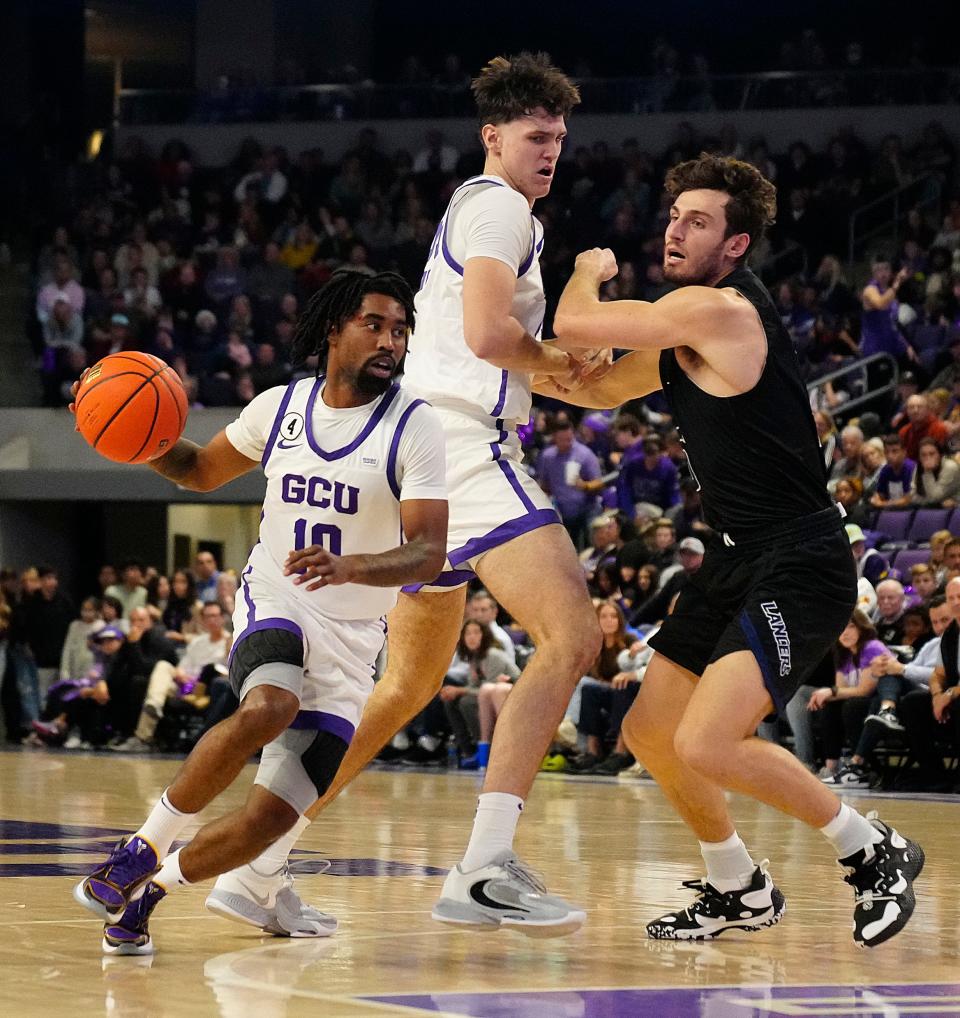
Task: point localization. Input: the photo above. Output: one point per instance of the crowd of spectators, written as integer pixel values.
(208, 268)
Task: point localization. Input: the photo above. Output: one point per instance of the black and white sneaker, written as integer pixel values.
(761, 904)
(887, 717)
(850, 776)
(882, 877)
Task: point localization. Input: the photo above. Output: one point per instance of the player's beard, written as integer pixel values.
(691, 273)
(373, 385)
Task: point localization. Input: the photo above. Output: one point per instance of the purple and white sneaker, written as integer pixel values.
(130, 934)
(120, 880)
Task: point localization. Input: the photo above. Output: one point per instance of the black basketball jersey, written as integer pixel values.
(756, 456)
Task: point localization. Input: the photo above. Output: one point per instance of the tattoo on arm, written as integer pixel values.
(179, 464)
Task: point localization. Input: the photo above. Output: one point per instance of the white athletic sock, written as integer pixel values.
(849, 832)
(170, 877)
(163, 825)
(273, 859)
(729, 866)
(493, 828)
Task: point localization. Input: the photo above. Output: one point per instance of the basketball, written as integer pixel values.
(131, 407)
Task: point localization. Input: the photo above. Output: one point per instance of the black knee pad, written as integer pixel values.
(322, 758)
(266, 646)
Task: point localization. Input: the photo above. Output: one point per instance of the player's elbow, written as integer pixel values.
(573, 328)
(483, 341)
(432, 561)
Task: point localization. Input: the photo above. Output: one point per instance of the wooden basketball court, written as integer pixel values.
(613, 846)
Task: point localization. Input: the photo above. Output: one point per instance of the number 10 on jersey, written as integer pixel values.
(326, 535)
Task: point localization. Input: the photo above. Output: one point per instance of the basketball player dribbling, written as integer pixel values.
(480, 309)
(353, 464)
(777, 584)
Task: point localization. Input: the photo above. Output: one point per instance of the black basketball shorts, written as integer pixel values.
(786, 603)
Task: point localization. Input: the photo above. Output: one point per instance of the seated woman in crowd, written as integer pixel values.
(605, 697)
(849, 493)
(938, 477)
(478, 663)
(180, 607)
(873, 459)
(857, 693)
(76, 658)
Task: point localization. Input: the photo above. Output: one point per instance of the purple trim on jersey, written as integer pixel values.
(395, 447)
(502, 398)
(375, 418)
(251, 607)
(277, 421)
(451, 578)
(516, 485)
(753, 639)
(528, 261)
(321, 721)
(505, 532)
(444, 247)
(495, 446)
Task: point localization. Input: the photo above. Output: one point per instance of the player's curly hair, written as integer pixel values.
(332, 306)
(753, 199)
(511, 87)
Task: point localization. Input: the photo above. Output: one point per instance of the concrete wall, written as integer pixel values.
(236, 526)
(215, 144)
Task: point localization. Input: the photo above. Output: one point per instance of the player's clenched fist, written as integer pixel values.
(319, 565)
(598, 261)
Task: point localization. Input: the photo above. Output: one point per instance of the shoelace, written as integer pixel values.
(525, 875)
(121, 868)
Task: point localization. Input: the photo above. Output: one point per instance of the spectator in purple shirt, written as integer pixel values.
(560, 467)
(650, 478)
(895, 483)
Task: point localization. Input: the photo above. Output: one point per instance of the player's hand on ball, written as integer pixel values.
(599, 262)
(317, 568)
(72, 407)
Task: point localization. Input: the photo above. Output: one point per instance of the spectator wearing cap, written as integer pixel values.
(895, 483)
(565, 470)
(938, 477)
(690, 552)
(870, 563)
(651, 477)
(606, 541)
(921, 424)
(907, 386)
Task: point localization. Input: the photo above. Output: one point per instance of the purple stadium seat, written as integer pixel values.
(954, 523)
(894, 524)
(908, 557)
(927, 522)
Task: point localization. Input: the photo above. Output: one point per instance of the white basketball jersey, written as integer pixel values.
(440, 367)
(345, 499)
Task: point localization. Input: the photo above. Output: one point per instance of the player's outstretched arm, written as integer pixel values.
(637, 374)
(203, 468)
(419, 559)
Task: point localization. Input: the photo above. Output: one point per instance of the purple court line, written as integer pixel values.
(694, 1001)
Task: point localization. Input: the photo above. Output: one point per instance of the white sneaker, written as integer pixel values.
(269, 903)
(505, 892)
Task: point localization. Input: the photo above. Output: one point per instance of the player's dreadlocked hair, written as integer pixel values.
(510, 87)
(330, 308)
(753, 199)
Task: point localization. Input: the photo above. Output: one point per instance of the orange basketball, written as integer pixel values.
(131, 407)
